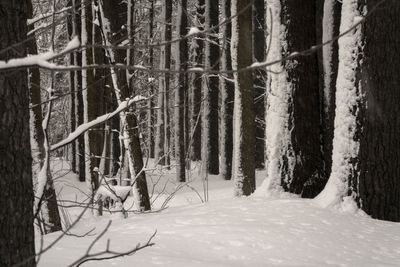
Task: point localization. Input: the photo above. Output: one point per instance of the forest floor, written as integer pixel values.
(225, 231)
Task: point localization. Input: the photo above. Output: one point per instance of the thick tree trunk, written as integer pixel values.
(196, 84)
(16, 200)
(244, 133)
(292, 119)
(260, 76)
(210, 149)
(181, 92)
(227, 97)
(380, 141)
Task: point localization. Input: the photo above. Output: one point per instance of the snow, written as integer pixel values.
(193, 31)
(345, 143)
(227, 231)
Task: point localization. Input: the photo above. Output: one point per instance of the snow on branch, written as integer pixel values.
(41, 60)
(99, 120)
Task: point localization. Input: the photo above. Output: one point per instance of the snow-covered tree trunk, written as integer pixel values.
(197, 53)
(181, 92)
(342, 186)
(259, 49)
(210, 129)
(16, 199)
(244, 126)
(330, 62)
(163, 130)
(227, 96)
(292, 118)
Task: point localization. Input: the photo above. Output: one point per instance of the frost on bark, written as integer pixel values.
(342, 187)
(112, 22)
(162, 129)
(210, 142)
(16, 198)
(227, 96)
(244, 132)
(260, 75)
(292, 117)
(330, 62)
(197, 55)
(181, 93)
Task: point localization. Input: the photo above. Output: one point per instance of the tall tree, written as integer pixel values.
(292, 118)
(150, 111)
(366, 143)
(259, 49)
(163, 131)
(227, 96)
(244, 133)
(197, 50)
(16, 200)
(210, 141)
(181, 92)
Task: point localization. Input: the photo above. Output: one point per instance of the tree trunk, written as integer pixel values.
(181, 92)
(163, 131)
(342, 184)
(210, 149)
(16, 200)
(259, 48)
(330, 59)
(292, 119)
(380, 141)
(150, 105)
(244, 133)
(196, 86)
(227, 97)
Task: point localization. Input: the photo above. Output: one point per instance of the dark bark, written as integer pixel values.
(380, 141)
(244, 87)
(72, 119)
(197, 87)
(259, 48)
(79, 101)
(304, 105)
(16, 200)
(227, 97)
(211, 89)
(181, 93)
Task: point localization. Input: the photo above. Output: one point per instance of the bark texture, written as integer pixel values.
(211, 91)
(380, 141)
(244, 136)
(16, 200)
(304, 124)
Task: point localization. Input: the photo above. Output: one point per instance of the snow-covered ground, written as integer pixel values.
(225, 231)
